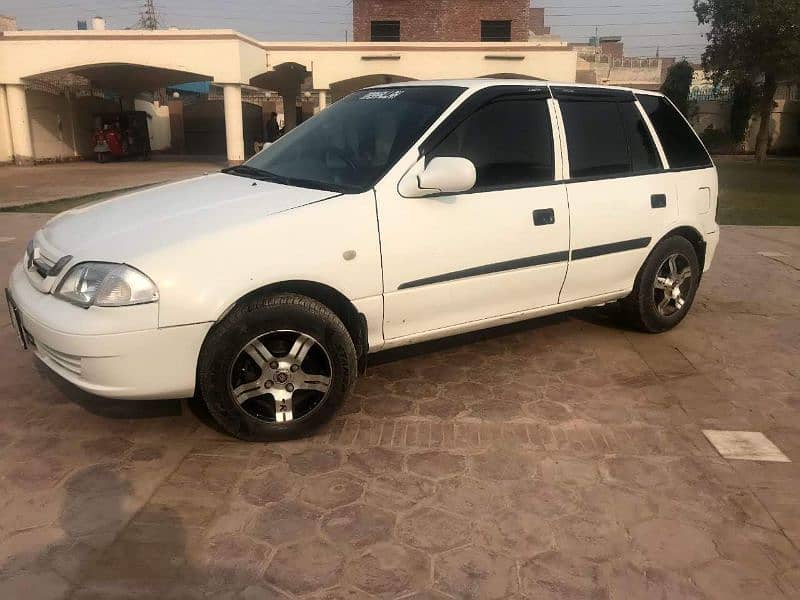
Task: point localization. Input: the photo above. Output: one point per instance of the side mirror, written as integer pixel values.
(443, 175)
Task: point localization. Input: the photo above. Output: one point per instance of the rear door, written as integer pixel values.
(620, 198)
(497, 249)
(690, 168)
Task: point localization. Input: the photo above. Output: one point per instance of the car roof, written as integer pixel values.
(480, 83)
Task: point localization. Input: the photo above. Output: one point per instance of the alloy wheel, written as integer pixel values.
(672, 284)
(281, 376)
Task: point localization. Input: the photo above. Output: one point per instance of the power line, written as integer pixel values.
(617, 14)
(628, 24)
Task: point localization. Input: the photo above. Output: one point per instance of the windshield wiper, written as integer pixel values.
(248, 171)
(262, 175)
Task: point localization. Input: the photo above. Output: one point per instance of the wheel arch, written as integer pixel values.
(695, 238)
(354, 321)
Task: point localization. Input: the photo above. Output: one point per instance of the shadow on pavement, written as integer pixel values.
(107, 549)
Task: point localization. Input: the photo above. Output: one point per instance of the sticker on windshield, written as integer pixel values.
(382, 95)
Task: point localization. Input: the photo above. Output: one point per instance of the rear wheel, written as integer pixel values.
(276, 368)
(665, 287)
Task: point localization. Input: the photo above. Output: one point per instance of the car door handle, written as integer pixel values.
(544, 216)
(658, 201)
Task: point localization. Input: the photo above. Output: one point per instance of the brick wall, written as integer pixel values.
(612, 49)
(537, 22)
(440, 20)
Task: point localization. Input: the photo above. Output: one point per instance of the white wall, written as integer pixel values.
(62, 128)
(331, 62)
(784, 127)
(157, 123)
(53, 127)
(6, 149)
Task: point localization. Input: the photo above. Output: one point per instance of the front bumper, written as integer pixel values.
(143, 363)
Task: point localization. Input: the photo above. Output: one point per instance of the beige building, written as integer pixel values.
(37, 123)
(643, 73)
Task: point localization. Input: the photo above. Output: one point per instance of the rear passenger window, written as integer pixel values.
(644, 156)
(679, 141)
(595, 138)
(510, 142)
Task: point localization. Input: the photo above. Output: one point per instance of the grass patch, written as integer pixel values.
(753, 194)
(57, 206)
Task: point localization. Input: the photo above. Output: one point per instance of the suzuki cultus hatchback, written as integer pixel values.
(401, 213)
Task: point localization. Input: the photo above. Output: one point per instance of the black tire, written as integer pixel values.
(641, 307)
(281, 312)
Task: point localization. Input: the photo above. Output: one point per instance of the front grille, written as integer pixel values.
(70, 362)
(43, 262)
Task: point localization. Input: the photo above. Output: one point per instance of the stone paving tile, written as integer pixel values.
(358, 525)
(434, 530)
(389, 570)
(322, 566)
(475, 573)
(581, 472)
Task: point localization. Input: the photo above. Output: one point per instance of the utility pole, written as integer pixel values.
(596, 40)
(148, 17)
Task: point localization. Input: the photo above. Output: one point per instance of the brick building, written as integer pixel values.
(441, 20)
(536, 23)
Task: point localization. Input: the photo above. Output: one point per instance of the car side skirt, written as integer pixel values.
(501, 320)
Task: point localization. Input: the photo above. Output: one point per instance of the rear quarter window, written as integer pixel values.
(682, 147)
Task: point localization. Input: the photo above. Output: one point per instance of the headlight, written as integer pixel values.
(106, 284)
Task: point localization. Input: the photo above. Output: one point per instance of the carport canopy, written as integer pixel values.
(126, 77)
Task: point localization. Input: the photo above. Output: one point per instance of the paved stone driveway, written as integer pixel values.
(557, 459)
(46, 182)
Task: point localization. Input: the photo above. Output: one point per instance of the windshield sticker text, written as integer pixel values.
(382, 95)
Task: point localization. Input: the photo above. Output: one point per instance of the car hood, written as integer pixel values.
(140, 223)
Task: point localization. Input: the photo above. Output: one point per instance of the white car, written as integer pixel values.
(399, 214)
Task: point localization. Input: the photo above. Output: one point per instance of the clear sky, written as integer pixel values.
(644, 24)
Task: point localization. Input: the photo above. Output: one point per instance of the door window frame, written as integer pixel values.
(667, 166)
(479, 100)
(579, 94)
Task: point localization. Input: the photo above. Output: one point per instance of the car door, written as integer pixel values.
(620, 198)
(690, 166)
(498, 249)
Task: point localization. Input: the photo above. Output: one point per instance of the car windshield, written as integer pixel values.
(349, 146)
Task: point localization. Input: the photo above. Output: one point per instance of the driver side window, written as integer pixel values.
(510, 142)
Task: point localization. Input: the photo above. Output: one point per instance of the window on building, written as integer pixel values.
(643, 152)
(385, 31)
(683, 149)
(595, 139)
(495, 31)
(510, 142)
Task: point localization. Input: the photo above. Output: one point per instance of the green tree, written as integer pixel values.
(744, 98)
(756, 41)
(677, 83)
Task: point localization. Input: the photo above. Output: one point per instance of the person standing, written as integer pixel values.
(272, 130)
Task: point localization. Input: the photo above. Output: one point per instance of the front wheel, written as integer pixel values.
(665, 287)
(276, 368)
